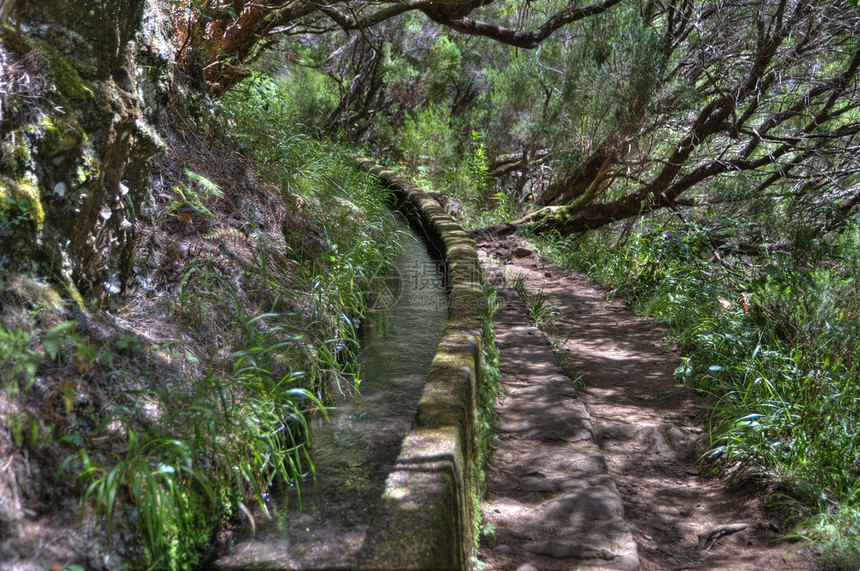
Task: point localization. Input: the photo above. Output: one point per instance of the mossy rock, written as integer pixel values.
(65, 75)
(107, 25)
(21, 202)
(37, 292)
(60, 135)
(17, 158)
(68, 81)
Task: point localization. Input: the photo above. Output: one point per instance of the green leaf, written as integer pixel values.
(73, 439)
(58, 335)
(204, 182)
(52, 346)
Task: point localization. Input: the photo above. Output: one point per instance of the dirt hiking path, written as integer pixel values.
(596, 462)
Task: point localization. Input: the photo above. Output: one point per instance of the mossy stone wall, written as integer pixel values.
(425, 521)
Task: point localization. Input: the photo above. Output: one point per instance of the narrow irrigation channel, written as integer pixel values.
(354, 451)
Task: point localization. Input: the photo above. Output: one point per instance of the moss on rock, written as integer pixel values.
(38, 292)
(68, 81)
(21, 202)
(16, 156)
(78, 146)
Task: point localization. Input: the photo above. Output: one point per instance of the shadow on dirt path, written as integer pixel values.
(648, 429)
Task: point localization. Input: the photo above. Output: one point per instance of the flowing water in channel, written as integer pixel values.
(355, 450)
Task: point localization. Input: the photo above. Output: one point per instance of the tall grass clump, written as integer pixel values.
(485, 415)
(317, 182)
(224, 420)
(771, 336)
(184, 461)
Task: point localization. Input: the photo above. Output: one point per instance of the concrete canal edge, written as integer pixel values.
(425, 520)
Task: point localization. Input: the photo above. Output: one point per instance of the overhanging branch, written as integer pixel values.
(527, 40)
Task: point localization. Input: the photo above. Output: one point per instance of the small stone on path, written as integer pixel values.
(521, 252)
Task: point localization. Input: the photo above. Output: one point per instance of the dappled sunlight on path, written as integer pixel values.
(550, 498)
(601, 472)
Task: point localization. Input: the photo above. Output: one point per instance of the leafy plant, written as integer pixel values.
(485, 414)
(541, 309)
(518, 283)
(194, 198)
(427, 143)
(189, 466)
(476, 166)
(17, 360)
(16, 211)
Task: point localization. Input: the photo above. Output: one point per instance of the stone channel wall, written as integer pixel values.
(425, 521)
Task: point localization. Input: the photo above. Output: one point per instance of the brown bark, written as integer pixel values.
(574, 184)
(792, 134)
(516, 38)
(230, 44)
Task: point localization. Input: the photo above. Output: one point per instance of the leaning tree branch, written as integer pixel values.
(527, 40)
(349, 23)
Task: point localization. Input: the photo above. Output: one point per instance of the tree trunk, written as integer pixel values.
(579, 218)
(575, 219)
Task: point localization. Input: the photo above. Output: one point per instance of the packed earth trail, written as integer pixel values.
(597, 461)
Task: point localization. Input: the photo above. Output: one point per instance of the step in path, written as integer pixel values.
(549, 495)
